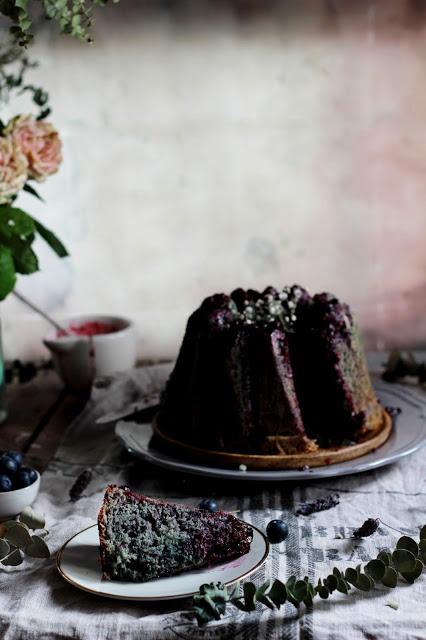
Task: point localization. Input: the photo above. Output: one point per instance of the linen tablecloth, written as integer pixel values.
(36, 603)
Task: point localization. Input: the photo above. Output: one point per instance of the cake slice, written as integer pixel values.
(143, 538)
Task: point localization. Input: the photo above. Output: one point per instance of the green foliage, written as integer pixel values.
(18, 230)
(73, 17)
(14, 66)
(7, 272)
(19, 540)
(406, 560)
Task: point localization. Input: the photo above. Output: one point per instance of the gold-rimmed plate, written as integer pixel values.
(78, 563)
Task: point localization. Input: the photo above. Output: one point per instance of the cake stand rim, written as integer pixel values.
(319, 458)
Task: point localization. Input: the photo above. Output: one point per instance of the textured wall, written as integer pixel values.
(216, 144)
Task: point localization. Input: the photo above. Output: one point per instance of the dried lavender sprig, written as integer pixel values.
(321, 504)
(80, 485)
(369, 527)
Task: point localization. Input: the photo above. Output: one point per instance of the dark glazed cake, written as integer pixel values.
(142, 538)
(272, 372)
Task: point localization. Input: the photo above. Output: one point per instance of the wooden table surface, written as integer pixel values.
(39, 412)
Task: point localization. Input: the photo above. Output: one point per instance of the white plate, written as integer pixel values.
(78, 562)
(408, 435)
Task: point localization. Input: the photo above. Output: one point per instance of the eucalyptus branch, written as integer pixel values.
(407, 560)
(18, 539)
(14, 66)
(73, 17)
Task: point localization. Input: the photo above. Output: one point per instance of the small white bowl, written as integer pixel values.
(79, 359)
(13, 502)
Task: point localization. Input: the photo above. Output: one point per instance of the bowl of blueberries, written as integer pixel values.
(19, 484)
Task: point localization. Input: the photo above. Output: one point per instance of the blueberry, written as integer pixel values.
(21, 479)
(277, 531)
(15, 455)
(5, 483)
(208, 505)
(8, 465)
(31, 472)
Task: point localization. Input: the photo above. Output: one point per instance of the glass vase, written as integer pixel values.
(3, 412)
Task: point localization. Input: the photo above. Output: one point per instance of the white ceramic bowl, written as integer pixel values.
(79, 359)
(13, 502)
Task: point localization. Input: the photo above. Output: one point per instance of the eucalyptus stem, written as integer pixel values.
(407, 560)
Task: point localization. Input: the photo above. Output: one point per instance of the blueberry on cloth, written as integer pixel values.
(276, 531)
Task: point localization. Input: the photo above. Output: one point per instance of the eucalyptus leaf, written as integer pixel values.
(37, 548)
(310, 593)
(4, 548)
(300, 590)
(376, 569)
(32, 519)
(403, 560)
(291, 582)
(423, 533)
(14, 559)
(343, 586)
(385, 557)
(390, 578)
(249, 592)
(277, 593)
(411, 576)
(407, 543)
(18, 535)
(331, 582)
(364, 583)
(323, 592)
(262, 595)
(351, 576)
(422, 549)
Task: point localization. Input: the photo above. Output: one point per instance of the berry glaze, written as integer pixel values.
(89, 328)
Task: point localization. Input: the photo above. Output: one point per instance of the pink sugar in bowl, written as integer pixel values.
(92, 346)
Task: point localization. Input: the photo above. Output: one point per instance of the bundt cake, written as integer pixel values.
(270, 373)
(142, 538)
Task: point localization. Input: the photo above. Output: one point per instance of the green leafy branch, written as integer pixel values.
(13, 69)
(18, 539)
(18, 231)
(407, 560)
(73, 17)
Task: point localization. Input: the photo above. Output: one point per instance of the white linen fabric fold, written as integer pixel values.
(37, 604)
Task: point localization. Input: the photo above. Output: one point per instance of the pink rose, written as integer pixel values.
(13, 169)
(40, 144)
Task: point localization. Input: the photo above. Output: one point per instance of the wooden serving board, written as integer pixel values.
(318, 458)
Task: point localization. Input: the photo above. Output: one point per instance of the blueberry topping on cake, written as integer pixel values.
(143, 538)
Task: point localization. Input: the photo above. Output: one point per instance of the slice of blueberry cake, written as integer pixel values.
(143, 538)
